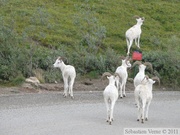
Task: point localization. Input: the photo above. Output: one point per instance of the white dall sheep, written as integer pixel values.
(143, 94)
(122, 71)
(110, 95)
(141, 74)
(68, 73)
(134, 33)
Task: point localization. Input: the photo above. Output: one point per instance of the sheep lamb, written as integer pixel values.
(68, 74)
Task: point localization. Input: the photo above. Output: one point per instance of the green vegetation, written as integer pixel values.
(90, 33)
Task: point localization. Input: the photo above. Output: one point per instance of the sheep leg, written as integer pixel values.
(147, 110)
(124, 93)
(138, 42)
(129, 44)
(142, 110)
(121, 91)
(139, 112)
(111, 112)
(71, 87)
(136, 99)
(65, 87)
(108, 110)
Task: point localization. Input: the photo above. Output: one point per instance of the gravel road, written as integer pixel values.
(51, 114)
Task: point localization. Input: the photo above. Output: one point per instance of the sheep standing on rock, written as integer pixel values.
(68, 73)
(143, 94)
(134, 33)
(110, 95)
(122, 71)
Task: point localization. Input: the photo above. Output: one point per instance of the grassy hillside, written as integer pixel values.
(51, 22)
(91, 33)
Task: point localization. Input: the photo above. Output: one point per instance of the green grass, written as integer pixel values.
(52, 21)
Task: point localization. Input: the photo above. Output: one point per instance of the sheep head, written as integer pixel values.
(105, 74)
(139, 19)
(58, 62)
(126, 60)
(145, 64)
(151, 80)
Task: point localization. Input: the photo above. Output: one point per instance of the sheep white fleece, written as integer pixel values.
(134, 33)
(110, 97)
(143, 96)
(140, 75)
(68, 73)
(122, 71)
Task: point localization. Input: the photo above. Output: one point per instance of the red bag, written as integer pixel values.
(137, 55)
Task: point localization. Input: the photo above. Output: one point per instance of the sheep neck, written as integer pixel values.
(63, 66)
(150, 86)
(124, 65)
(142, 71)
(111, 82)
(139, 24)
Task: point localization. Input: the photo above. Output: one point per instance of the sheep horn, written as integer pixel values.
(156, 79)
(145, 77)
(136, 16)
(116, 74)
(122, 57)
(105, 74)
(63, 59)
(127, 59)
(150, 65)
(136, 63)
(59, 58)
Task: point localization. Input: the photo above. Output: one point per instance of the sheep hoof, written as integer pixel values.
(137, 119)
(124, 95)
(107, 120)
(110, 123)
(64, 95)
(72, 97)
(142, 121)
(146, 119)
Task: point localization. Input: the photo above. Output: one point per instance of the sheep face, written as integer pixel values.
(140, 20)
(150, 81)
(127, 63)
(110, 78)
(57, 63)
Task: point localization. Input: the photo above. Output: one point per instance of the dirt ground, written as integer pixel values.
(79, 85)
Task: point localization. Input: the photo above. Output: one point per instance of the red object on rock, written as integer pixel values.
(137, 55)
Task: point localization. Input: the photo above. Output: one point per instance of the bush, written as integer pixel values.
(166, 62)
(13, 58)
